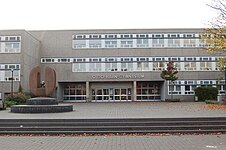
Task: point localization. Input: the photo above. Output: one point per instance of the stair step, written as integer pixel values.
(128, 125)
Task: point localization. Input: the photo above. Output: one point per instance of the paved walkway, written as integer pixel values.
(128, 110)
(186, 142)
(120, 110)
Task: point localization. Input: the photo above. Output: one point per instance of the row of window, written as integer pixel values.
(7, 71)
(187, 87)
(10, 38)
(145, 90)
(142, 66)
(130, 59)
(132, 36)
(138, 43)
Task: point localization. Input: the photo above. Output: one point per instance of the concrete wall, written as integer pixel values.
(59, 44)
(30, 57)
(27, 58)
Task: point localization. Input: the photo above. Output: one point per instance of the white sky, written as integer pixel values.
(104, 14)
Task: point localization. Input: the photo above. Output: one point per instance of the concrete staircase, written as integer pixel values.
(106, 126)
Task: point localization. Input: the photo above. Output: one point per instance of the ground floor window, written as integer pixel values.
(112, 91)
(75, 91)
(148, 91)
(187, 87)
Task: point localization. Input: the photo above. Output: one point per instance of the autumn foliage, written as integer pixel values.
(170, 73)
(215, 35)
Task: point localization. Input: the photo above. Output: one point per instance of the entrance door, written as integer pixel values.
(111, 94)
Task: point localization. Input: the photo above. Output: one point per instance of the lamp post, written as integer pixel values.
(12, 82)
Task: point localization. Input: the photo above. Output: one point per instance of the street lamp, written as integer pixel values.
(12, 82)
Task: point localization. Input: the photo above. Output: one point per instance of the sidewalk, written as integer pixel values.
(127, 110)
(185, 142)
(120, 110)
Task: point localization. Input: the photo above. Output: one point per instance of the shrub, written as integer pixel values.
(16, 99)
(206, 93)
(10, 103)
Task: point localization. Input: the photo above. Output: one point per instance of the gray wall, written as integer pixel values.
(27, 58)
(59, 44)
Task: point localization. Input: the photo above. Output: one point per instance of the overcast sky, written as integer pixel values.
(104, 14)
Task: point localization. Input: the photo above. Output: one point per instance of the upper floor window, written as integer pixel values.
(126, 43)
(142, 40)
(10, 44)
(110, 43)
(111, 36)
(126, 36)
(79, 37)
(95, 36)
(6, 72)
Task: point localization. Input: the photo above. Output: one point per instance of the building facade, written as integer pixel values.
(109, 65)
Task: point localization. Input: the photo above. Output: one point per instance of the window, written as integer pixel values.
(142, 66)
(6, 73)
(174, 88)
(205, 66)
(95, 67)
(142, 36)
(158, 42)
(158, 36)
(173, 36)
(189, 43)
(10, 47)
(158, 66)
(79, 44)
(191, 35)
(111, 36)
(111, 67)
(126, 66)
(75, 92)
(190, 66)
(174, 42)
(110, 43)
(126, 36)
(49, 60)
(189, 89)
(139, 40)
(148, 91)
(142, 42)
(95, 44)
(126, 43)
(95, 36)
(79, 37)
(79, 67)
(177, 65)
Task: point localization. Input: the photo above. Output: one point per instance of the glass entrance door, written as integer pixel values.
(111, 94)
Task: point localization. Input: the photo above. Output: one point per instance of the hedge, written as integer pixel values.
(206, 93)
